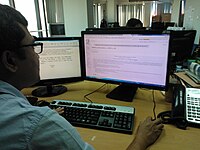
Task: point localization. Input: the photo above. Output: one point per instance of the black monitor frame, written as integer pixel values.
(124, 28)
(57, 29)
(126, 86)
(181, 47)
(183, 39)
(48, 86)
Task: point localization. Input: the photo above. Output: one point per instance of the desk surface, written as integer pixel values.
(171, 138)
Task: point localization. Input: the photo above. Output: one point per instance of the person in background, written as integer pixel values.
(104, 23)
(24, 126)
(134, 23)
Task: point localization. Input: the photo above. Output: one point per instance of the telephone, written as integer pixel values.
(177, 115)
(185, 108)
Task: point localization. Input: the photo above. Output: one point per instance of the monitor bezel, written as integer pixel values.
(128, 31)
(179, 36)
(67, 79)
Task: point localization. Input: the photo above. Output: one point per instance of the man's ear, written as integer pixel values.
(9, 61)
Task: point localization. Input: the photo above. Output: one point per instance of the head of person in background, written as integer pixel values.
(104, 23)
(134, 23)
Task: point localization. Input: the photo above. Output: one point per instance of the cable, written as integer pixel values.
(167, 118)
(85, 96)
(154, 105)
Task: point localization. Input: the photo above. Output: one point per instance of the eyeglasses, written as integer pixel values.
(37, 46)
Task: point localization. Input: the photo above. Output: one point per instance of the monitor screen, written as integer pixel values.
(129, 58)
(60, 62)
(182, 43)
(57, 29)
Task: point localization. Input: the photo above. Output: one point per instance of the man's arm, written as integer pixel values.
(54, 132)
(147, 133)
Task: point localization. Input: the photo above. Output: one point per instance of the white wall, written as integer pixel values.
(175, 11)
(147, 8)
(111, 11)
(192, 17)
(90, 13)
(75, 16)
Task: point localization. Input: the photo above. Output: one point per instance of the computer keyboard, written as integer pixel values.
(97, 116)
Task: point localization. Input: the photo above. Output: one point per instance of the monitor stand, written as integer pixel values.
(123, 92)
(49, 90)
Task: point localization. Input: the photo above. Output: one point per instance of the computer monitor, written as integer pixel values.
(60, 62)
(120, 28)
(57, 29)
(158, 25)
(181, 46)
(131, 59)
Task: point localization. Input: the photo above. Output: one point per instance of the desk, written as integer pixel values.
(171, 138)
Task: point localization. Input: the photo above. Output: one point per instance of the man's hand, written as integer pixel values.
(147, 133)
(59, 110)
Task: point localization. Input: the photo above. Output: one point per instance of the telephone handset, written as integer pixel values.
(178, 103)
(177, 115)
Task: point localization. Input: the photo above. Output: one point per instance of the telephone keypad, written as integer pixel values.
(193, 105)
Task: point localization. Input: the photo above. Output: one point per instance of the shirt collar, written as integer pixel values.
(9, 89)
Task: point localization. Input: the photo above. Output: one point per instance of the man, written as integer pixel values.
(23, 126)
(134, 23)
